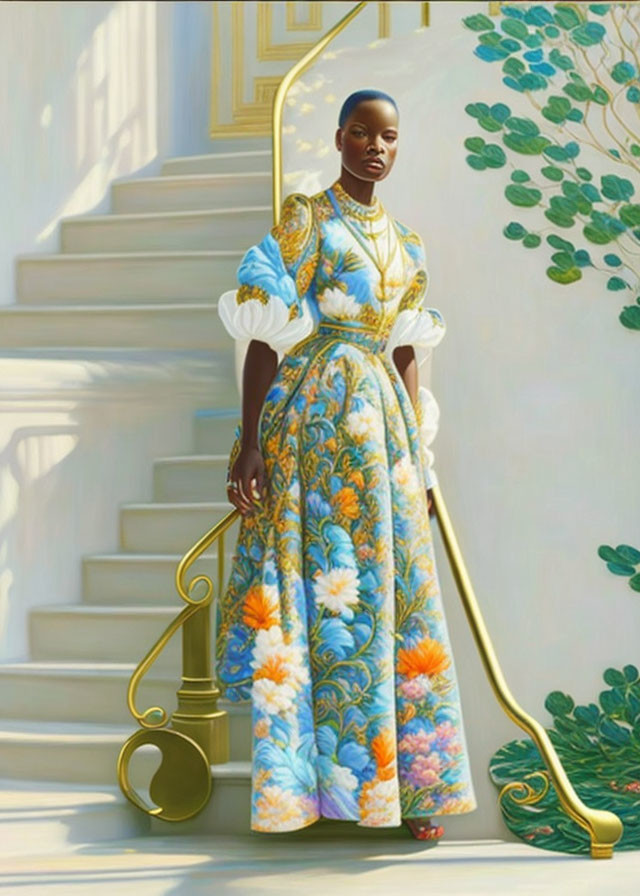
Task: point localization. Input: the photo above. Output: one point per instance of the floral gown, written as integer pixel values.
(332, 620)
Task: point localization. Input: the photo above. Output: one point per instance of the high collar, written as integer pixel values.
(351, 206)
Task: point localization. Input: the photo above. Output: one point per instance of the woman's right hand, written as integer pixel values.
(247, 485)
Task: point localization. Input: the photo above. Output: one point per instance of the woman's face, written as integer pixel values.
(368, 141)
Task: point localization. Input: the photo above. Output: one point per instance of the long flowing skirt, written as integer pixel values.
(332, 622)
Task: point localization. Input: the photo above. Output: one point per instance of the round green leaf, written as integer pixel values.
(596, 234)
(531, 241)
(566, 18)
(561, 218)
(514, 231)
(630, 215)
(563, 260)
(634, 581)
(474, 144)
(478, 22)
(613, 260)
(606, 552)
(524, 126)
(515, 28)
(529, 146)
(476, 162)
(559, 243)
(584, 173)
(519, 176)
(524, 197)
(629, 317)
(630, 673)
(630, 554)
(552, 173)
(616, 283)
(564, 277)
(559, 704)
(614, 678)
(616, 188)
(623, 72)
(621, 569)
(494, 156)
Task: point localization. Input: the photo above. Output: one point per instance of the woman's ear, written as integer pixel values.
(339, 139)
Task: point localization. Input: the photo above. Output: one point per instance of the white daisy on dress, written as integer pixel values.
(337, 590)
(365, 424)
(271, 697)
(339, 305)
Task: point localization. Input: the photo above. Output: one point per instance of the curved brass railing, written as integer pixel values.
(199, 734)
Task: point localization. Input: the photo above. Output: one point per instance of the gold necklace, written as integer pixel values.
(340, 197)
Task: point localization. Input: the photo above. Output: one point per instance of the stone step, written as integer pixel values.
(186, 192)
(126, 278)
(111, 634)
(148, 579)
(226, 228)
(96, 693)
(191, 478)
(228, 810)
(78, 752)
(219, 162)
(214, 430)
(191, 326)
(170, 528)
(45, 817)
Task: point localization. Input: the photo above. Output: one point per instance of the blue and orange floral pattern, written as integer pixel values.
(332, 621)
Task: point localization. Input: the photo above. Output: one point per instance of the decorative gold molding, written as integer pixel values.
(253, 119)
(313, 23)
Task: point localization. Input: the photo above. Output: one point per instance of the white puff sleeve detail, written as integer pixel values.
(428, 417)
(267, 321)
(423, 327)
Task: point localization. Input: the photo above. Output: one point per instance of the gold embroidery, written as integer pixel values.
(414, 293)
(297, 236)
(247, 291)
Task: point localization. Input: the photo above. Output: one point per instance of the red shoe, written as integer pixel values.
(422, 829)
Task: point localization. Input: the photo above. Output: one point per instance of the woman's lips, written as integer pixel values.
(374, 164)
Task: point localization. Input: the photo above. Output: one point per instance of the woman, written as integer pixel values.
(332, 621)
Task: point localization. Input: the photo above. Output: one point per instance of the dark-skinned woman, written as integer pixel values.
(332, 621)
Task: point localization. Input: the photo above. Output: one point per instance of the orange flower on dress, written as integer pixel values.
(428, 657)
(273, 668)
(260, 608)
(383, 749)
(346, 500)
(357, 478)
(331, 444)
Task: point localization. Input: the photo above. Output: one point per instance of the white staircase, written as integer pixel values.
(145, 277)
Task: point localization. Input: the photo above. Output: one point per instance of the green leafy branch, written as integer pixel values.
(542, 48)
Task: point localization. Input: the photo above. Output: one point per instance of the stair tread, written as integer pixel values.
(182, 213)
(151, 254)
(106, 609)
(208, 156)
(177, 505)
(141, 557)
(198, 178)
(124, 307)
(192, 458)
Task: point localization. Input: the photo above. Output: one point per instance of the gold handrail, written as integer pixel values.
(199, 731)
(604, 828)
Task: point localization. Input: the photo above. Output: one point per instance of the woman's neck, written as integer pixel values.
(360, 190)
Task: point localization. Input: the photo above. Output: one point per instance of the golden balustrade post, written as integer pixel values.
(197, 714)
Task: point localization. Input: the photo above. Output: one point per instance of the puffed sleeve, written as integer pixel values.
(423, 327)
(274, 276)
